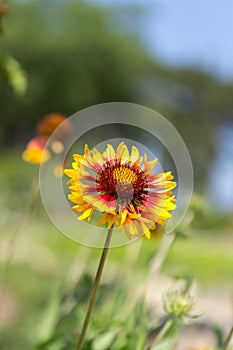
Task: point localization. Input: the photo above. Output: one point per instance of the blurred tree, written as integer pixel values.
(197, 104)
(77, 54)
(74, 58)
(10, 70)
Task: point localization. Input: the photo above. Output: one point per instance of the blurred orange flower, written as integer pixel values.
(3, 8)
(50, 122)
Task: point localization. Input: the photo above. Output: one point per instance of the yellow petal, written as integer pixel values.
(124, 216)
(168, 175)
(138, 162)
(147, 234)
(125, 153)
(110, 152)
(70, 172)
(119, 150)
(149, 166)
(111, 220)
(134, 154)
(103, 220)
(153, 227)
(85, 214)
(133, 229)
(86, 150)
(78, 158)
(170, 205)
(170, 185)
(97, 156)
(165, 214)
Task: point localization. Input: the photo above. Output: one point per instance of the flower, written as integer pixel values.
(49, 123)
(125, 193)
(35, 152)
(3, 8)
(179, 304)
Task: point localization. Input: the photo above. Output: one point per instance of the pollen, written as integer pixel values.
(124, 175)
(125, 183)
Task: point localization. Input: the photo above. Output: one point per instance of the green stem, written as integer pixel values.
(160, 335)
(94, 289)
(167, 325)
(228, 339)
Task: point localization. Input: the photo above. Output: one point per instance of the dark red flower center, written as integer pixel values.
(125, 183)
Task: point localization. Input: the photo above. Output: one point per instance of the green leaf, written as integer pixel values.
(142, 314)
(15, 75)
(118, 302)
(50, 317)
(141, 341)
(55, 343)
(166, 344)
(105, 340)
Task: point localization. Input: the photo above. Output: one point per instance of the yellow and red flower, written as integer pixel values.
(126, 193)
(35, 151)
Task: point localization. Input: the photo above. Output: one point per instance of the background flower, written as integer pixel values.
(45, 128)
(34, 152)
(50, 122)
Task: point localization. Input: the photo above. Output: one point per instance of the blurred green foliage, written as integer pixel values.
(78, 53)
(74, 58)
(73, 54)
(13, 74)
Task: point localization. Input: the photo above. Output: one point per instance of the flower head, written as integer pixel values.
(179, 304)
(49, 123)
(126, 193)
(3, 8)
(35, 152)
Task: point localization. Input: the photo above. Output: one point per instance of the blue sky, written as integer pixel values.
(197, 33)
(184, 32)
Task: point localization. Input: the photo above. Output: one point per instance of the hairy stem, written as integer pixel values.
(94, 289)
(228, 339)
(161, 334)
(164, 330)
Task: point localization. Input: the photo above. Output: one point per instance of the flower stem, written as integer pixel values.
(95, 288)
(228, 339)
(160, 335)
(164, 330)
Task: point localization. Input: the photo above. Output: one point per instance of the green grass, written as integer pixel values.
(44, 259)
(206, 257)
